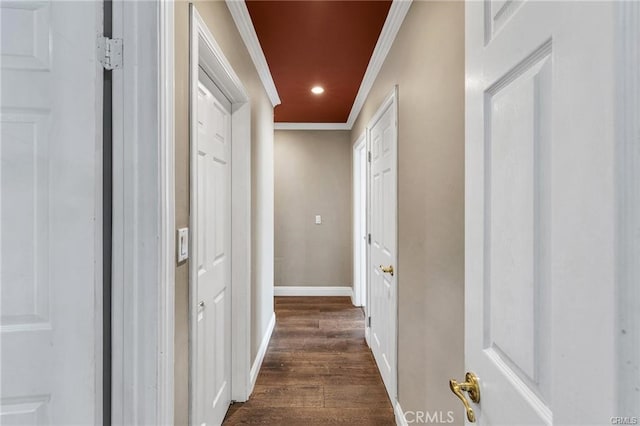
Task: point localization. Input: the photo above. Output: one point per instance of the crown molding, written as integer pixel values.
(243, 22)
(311, 126)
(392, 24)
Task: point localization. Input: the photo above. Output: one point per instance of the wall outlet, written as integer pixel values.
(318, 219)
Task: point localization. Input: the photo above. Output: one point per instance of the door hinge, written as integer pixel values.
(369, 156)
(369, 238)
(110, 52)
(369, 322)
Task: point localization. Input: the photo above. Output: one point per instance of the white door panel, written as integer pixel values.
(539, 215)
(50, 209)
(213, 241)
(383, 296)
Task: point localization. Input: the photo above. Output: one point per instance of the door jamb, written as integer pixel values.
(143, 208)
(358, 217)
(167, 214)
(205, 52)
(628, 204)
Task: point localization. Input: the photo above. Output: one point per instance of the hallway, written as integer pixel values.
(317, 370)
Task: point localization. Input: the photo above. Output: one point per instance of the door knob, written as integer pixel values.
(387, 270)
(470, 386)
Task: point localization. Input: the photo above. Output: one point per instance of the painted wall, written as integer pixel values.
(427, 62)
(313, 177)
(220, 22)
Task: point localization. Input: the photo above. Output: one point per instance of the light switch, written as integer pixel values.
(318, 219)
(183, 244)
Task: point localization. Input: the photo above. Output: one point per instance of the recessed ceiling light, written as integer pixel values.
(317, 90)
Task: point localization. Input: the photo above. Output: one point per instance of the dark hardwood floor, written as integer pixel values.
(318, 369)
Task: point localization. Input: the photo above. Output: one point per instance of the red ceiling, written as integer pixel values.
(325, 43)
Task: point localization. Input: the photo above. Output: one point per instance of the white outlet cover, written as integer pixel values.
(318, 219)
(183, 244)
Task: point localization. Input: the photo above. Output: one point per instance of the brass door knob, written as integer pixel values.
(387, 270)
(470, 386)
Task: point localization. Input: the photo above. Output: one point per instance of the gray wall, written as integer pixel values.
(427, 62)
(220, 22)
(313, 176)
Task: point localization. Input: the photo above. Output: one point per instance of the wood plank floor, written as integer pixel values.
(318, 369)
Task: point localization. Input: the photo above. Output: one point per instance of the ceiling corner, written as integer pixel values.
(392, 24)
(243, 22)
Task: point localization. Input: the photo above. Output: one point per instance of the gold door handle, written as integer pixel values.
(470, 386)
(387, 270)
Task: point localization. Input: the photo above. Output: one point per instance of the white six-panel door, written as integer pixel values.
(383, 289)
(50, 214)
(540, 222)
(212, 243)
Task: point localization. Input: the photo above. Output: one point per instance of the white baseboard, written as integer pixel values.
(262, 351)
(400, 419)
(312, 291)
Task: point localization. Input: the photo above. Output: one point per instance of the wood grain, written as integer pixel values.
(318, 369)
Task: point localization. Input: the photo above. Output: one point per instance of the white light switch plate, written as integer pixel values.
(183, 244)
(318, 219)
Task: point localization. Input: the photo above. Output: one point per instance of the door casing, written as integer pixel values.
(143, 236)
(360, 219)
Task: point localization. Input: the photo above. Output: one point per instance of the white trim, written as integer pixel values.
(205, 52)
(628, 204)
(262, 351)
(312, 291)
(241, 252)
(401, 420)
(215, 62)
(142, 295)
(397, 13)
(382, 109)
(311, 126)
(241, 17)
(359, 282)
(166, 311)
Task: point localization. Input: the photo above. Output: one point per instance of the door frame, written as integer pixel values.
(360, 215)
(205, 52)
(166, 86)
(143, 230)
(390, 101)
(628, 205)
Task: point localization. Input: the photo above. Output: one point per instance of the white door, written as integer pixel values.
(540, 219)
(212, 243)
(382, 308)
(50, 214)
